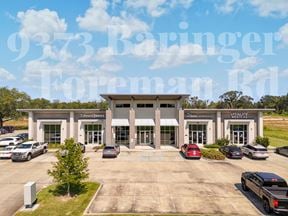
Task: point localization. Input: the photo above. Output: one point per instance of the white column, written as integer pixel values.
(71, 123)
(30, 126)
(260, 124)
(219, 128)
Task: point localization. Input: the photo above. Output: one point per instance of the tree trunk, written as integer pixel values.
(1, 122)
(68, 189)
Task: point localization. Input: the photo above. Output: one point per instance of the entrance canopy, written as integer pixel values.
(144, 122)
(120, 122)
(169, 122)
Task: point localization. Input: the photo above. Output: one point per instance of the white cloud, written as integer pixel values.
(178, 55)
(228, 6)
(111, 67)
(271, 7)
(157, 8)
(145, 49)
(105, 54)
(96, 18)
(284, 33)
(246, 63)
(6, 75)
(34, 23)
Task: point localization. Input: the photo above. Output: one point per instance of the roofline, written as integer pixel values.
(62, 110)
(263, 110)
(109, 95)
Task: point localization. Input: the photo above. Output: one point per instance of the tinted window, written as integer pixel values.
(24, 146)
(274, 183)
(122, 105)
(261, 150)
(6, 139)
(234, 148)
(192, 149)
(145, 105)
(109, 147)
(167, 105)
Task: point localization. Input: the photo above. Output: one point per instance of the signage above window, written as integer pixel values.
(92, 116)
(239, 115)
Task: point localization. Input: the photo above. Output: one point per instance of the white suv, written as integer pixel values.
(6, 141)
(255, 151)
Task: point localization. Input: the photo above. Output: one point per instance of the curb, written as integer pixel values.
(91, 201)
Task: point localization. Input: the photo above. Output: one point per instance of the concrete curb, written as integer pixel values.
(91, 201)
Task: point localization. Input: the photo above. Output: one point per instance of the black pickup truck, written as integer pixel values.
(270, 188)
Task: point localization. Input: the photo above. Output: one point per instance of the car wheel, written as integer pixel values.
(266, 206)
(250, 155)
(244, 186)
(29, 157)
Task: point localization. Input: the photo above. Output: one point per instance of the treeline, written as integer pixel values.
(12, 99)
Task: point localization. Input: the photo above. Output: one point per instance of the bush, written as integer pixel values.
(222, 142)
(212, 154)
(212, 146)
(264, 141)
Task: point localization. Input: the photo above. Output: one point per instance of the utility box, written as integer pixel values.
(29, 194)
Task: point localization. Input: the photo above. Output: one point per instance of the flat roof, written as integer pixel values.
(144, 96)
(59, 110)
(230, 109)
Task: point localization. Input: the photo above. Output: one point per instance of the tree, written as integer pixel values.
(71, 168)
(235, 99)
(10, 101)
(197, 103)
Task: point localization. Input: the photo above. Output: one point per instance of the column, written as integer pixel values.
(71, 124)
(181, 128)
(219, 128)
(132, 127)
(157, 138)
(30, 126)
(108, 127)
(260, 124)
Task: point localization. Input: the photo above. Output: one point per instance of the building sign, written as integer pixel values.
(239, 115)
(196, 116)
(92, 116)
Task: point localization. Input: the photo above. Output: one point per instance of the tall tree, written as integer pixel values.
(10, 101)
(235, 99)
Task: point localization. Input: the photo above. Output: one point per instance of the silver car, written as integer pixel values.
(111, 151)
(255, 151)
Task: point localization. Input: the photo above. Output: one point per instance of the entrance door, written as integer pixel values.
(197, 134)
(145, 137)
(238, 134)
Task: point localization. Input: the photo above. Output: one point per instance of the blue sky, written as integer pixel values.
(70, 51)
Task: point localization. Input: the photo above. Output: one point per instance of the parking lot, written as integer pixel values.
(150, 182)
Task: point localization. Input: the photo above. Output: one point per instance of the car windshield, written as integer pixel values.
(273, 183)
(8, 148)
(109, 148)
(24, 146)
(261, 149)
(193, 149)
(234, 148)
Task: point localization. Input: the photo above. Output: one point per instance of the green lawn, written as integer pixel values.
(277, 131)
(55, 205)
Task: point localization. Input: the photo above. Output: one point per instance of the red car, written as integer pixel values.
(191, 151)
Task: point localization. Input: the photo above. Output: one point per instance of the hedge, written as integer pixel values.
(212, 146)
(212, 154)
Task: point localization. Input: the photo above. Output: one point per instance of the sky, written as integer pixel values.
(76, 50)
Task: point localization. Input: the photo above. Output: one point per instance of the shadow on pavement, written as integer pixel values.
(253, 199)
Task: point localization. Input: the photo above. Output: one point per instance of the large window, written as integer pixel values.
(93, 134)
(145, 135)
(122, 135)
(198, 134)
(149, 105)
(167, 105)
(238, 134)
(168, 135)
(126, 105)
(52, 133)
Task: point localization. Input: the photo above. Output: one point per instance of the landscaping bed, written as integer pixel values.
(212, 154)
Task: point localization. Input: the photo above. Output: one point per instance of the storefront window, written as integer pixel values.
(145, 135)
(52, 133)
(168, 135)
(122, 135)
(93, 134)
(238, 134)
(198, 134)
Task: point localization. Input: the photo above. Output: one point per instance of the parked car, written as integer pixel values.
(111, 151)
(24, 136)
(82, 146)
(9, 129)
(28, 150)
(3, 131)
(282, 150)
(6, 153)
(231, 151)
(255, 151)
(191, 151)
(270, 188)
(5, 141)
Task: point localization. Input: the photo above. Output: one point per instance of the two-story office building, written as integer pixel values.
(138, 119)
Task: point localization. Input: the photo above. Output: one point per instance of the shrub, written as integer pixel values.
(222, 142)
(212, 146)
(264, 141)
(212, 154)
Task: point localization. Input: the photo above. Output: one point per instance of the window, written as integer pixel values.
(168, 135)
(122, 105)
(198, 133)
(238, 134)
(93, 134)
(145, 105)
(122, 135)
(52, 133)
(167, 105)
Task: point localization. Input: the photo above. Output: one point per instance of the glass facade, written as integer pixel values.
(93, 134)
(238, 134)
(52, 133)
(198, 134)
(168, 135)
(122, 135)
(145, 135)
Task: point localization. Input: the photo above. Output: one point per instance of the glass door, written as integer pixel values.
(197, 134)
(238, 134)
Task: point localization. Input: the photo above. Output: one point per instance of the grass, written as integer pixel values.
(19, 124)
(54, 145)
(276, 130)
(53, 204)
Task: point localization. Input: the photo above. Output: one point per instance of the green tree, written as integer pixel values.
(71, 168)
(10, 101)
(234, 100)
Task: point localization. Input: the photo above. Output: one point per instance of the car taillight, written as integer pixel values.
(275, 203)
